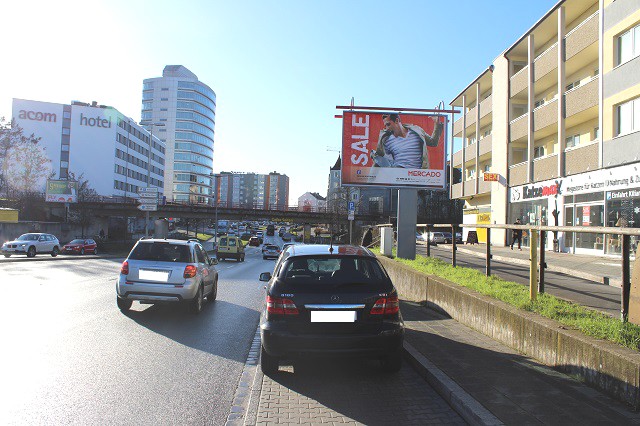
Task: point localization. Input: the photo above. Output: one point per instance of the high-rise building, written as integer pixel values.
(252, 190)
(112, 152)
(550, 132)
(182, 111)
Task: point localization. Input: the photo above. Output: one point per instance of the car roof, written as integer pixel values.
(329, 250)
(167, 240)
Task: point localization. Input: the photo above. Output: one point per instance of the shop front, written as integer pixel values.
(606, 197)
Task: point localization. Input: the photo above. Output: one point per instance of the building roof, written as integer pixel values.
(317, 196)
(178, 71)
(338, 164)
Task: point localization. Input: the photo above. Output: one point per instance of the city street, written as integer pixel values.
(71, 357)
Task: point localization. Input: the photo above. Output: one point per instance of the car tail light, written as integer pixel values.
(125, 268)
(280, 306)
(190, 271)
(386, 306)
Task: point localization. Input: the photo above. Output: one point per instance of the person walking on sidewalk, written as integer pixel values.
(367, 238)
(517, 236)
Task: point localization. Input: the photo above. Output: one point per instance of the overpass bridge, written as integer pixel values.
(236, 213)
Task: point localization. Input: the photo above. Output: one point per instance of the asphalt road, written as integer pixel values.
(587, 293)
(71, 357)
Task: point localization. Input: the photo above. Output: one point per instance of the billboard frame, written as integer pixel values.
(72, 197)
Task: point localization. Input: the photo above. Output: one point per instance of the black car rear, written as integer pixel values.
(326, 300)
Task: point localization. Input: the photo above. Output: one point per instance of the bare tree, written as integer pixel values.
(12, 138)
(82, 214)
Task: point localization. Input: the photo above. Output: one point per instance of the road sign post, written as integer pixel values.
(148, 203)
(351, 216)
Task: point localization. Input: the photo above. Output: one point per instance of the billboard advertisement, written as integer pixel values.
(62, 191)
(393, 149)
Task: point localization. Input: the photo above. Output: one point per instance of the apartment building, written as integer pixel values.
(549, 133)
(252, 190)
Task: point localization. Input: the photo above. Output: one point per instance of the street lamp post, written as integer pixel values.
(150, 125)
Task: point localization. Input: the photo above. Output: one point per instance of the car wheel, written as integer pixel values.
(124, 304)
(264, 257)
(196, 303)
(214, 292)
(392, 362)
(268, 363)
(243, 258)
(81, 252)
(7, 255)
(31, 252)
(55, 252)
(95, 251)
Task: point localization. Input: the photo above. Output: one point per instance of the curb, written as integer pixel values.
(613, 282)
(464, 404)
(43, 258)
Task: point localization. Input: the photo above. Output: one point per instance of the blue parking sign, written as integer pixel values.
(352, 206)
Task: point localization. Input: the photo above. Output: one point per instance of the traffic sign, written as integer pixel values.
(351, 215)
(148, 207)
(148, 201)
(153, 195)
(352, 206)
(148, 189)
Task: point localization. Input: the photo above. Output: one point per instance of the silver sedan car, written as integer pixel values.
(167, 271)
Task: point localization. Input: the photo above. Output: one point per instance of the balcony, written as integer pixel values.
(621, 149)
(518, 174)
(457, 158)
(545, 115)
(582, 98)
(581, 159)
(485, 145)
(545, 168)
(518, 127)
(484, 187)
(456, 190)
(546, 62)
(470, 187)
(457, 126)
(519, 81)
(486, 106)
(471, 116)
(470, 153)
(581, 36)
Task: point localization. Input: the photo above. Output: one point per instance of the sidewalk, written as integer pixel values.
(489, 383)
(600, 269)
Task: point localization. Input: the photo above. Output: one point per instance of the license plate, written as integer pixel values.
(161, 276)
(333, 316)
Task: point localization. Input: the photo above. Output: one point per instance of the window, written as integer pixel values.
(538, 151)
(164, 99)
(596, 133)
(629, 117)
(472, 140)
(66, 114)
(572, 141)
(572, 85)
(164, 89)
(538, 103)
(66, 131)
(163, 109)
(629, 45)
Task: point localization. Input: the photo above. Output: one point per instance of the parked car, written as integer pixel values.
(167, 271)
(230, 247)
(254, 242)
(437, 238)
(80, 246)
(32, 244)
(421, 237)
(270, 251)
(281, 231)
(330, 300)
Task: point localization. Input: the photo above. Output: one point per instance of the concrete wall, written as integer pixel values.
(603, 365)
(581, 159)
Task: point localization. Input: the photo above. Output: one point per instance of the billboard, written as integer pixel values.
(62, 191)
(394, 150)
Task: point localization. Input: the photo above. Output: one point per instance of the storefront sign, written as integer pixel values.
(491, 177)
(617, 195)
(618, 179)
(471, 211)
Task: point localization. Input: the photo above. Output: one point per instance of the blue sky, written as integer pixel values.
(278, 68)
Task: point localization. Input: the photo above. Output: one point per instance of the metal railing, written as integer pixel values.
(537, 261)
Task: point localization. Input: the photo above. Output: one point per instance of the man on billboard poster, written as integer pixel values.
(404, 145)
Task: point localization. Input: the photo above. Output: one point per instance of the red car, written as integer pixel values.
(254, 241)
(80, 246)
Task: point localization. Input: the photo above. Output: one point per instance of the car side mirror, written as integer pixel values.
(265, 276)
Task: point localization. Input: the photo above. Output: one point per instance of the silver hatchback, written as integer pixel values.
(167, 271)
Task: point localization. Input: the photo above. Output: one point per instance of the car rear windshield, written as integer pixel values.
(76, 242)
(333, 270)
(162, 252)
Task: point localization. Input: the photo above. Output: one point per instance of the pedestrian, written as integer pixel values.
(367, 238)
(101, 234)
(517, 236)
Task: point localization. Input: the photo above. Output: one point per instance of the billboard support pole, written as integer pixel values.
(407, 220)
